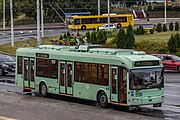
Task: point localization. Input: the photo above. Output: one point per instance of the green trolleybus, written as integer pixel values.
(116, 76)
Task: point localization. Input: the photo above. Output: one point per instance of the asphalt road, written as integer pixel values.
(81, 109)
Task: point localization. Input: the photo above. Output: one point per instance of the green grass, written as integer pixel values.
(154, 43)
(6, 48)
(150, 43)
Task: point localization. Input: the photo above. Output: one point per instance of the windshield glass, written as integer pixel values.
(176, 58)
(4, 58)
(146, 78)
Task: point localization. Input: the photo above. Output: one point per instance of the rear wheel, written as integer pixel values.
(83, 27)
(178, 69)
(102, 99)
(43, 89)
(119, 25)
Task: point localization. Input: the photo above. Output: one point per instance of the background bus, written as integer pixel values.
(90, 22)
(123, 77)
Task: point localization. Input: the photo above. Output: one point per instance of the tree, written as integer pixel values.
(172, 44)
(88, 35)
(176, 26)
(177, 39)
(171, 27)
(104, 37)
(120, 39)
(159, 27)
(164, 28)
(93, 38)
(130, 39)
(68, 34)
(99, 37)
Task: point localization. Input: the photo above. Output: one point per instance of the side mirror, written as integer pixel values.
(172, 60)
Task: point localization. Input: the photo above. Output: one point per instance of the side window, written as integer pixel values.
(53, 69)
(19, 65)
(92, 73)
(77, 21)
(167, 58)
(46, 68)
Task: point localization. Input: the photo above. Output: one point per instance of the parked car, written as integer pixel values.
(105, 27)
(170, 62)
(7, 64)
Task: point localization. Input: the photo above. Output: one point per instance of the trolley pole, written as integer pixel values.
(12, 24)
(39, 41)
(99, 12)
(108, 15)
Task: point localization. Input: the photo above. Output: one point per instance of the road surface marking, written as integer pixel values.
(172, 85)
(6, 118)
(172, 95)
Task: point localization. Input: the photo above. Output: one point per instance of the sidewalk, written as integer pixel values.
(155, 21)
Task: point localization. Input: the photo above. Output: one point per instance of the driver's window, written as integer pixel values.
(167, 59)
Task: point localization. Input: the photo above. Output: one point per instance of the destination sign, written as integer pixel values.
(146, 63)
(43, 55)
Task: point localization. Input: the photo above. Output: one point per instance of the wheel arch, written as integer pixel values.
(42, 81)
(105, 91)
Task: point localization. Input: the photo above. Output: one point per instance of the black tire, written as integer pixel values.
(83, 27)
(178, 69)
(102, 99)
(43, 90)
(118, 26)
(1, 72)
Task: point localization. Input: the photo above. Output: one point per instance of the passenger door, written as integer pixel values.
(114, 83)
(28, 72)
(66, 78)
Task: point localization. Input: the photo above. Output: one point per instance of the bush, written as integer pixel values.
(129, 37)
(151, 31)
(68, 34)
(88, 35)
(100, 37)
(172, 44)
(171, 27)
(60, 42)
(164, 28)
(121, 39)
(176, 26)
(141, 30)
(159, 27)
(93, 38)
(177, 39)
(72, 42)
(65, 36)
(61, 37)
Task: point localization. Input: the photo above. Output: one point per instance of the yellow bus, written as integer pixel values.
(90, 22)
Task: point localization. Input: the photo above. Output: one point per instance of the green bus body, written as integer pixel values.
(116, 68)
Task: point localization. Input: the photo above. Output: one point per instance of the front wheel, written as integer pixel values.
(43, 89)
(102, 100)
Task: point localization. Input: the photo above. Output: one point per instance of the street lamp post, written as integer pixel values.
(42, 21)
(165, 10)
(99, 12)
(108, 15)
(39, 41)
(12, 25)
(4, 24)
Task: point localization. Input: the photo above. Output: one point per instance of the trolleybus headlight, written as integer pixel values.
(133, 100)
